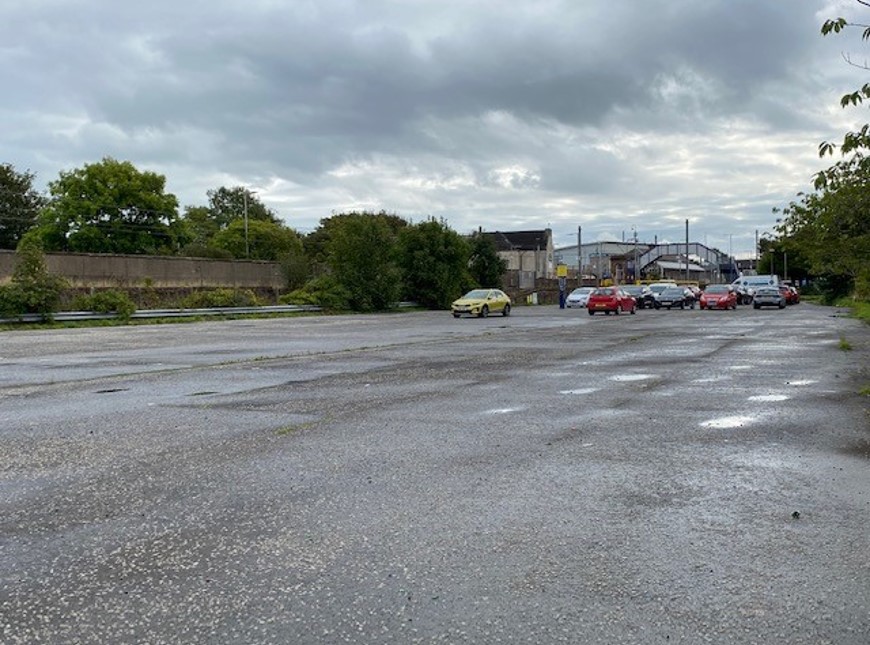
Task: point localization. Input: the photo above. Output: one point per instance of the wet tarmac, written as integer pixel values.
(673, 477)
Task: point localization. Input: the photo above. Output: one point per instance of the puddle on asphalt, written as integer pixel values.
(860, 449)
(585, 390)
(769, 397)
(711, 379)
(631, 377)
(727, 422)
(503, 410)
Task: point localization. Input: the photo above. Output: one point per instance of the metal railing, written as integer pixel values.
(72, 316)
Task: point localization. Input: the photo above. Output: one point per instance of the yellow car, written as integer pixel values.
(481, 303)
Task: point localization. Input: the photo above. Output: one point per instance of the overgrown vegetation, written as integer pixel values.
(324, 292)
(109, 301)
(33, 289)
(221, 298)
(827, 231)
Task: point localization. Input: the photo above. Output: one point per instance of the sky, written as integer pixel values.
(622, 118)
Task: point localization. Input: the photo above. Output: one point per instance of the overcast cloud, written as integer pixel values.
(505, 116)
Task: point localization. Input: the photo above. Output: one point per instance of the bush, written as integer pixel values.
(33, 289)
(107, 302)
(324, 292)
(221, 298)
(12, 302)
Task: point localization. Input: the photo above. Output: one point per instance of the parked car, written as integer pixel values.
(675, 297)
(611, 299)
(718, 296)
(796, 295)
(642, 295)
(658, 287)
(695, 290)
(746, 286)
(768, 297)
(790, 294)
(579, 297)
(481, 303)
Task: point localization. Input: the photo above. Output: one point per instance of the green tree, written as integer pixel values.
(486, 267)
(832, 225)
(264, 240)
(362, 254)
(229, 204)
(109, 207)
(434, 261)
(19, 205)
(317, 242)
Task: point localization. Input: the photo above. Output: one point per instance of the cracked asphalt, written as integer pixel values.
(668, 477)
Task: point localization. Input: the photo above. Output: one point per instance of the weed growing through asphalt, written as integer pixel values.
(845, 345)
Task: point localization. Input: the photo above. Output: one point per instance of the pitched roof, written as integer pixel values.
(519, 240)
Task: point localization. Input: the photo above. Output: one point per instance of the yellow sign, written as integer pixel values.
(561, 270)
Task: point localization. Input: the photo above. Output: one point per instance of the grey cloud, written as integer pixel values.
(296, 89)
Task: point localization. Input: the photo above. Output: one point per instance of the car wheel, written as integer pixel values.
(456, 315)
(692, 306)
(618, 310)
(657, 306)
(682, 305)
(782, 305)
(484, 312)
(756, 306)
(633, 310)
(591, 313)
(506, 311)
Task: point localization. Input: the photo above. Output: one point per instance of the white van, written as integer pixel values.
(746, 285)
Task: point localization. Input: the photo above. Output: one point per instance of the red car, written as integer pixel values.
(792, 297)
(609, 299)
(718, 296)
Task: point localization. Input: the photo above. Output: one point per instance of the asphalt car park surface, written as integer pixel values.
(674, 476)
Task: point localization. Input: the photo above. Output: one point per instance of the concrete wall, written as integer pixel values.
(101, 270)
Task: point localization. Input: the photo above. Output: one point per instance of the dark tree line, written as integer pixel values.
(362, 260)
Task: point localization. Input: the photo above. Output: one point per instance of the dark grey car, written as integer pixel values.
(674, 297)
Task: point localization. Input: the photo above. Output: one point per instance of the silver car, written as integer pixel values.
(579, 297)
(768, 297)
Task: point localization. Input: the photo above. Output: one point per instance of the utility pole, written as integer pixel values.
(687, 250)
(756, 251)
(636, 268)
(247, 245)
(579, 257)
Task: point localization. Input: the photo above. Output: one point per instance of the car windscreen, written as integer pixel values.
(477, 294)
(672, 292)
(716, 289)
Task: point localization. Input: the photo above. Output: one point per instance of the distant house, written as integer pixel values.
(528, 253)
